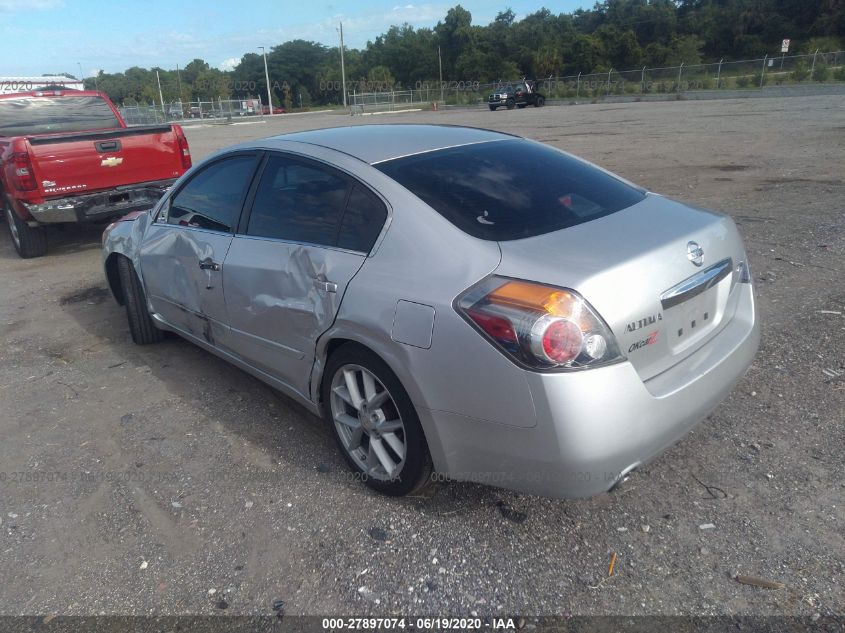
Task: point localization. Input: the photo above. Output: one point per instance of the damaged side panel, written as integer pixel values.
(281, 296)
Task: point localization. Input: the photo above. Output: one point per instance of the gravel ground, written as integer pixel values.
(161, 480)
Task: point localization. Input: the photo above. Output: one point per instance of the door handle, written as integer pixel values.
(325, 286)
(207, 264)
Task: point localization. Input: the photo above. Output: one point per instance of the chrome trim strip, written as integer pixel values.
(698, 283)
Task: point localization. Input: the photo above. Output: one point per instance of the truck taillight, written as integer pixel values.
(541, 327)
(184, 150)
(23, 178)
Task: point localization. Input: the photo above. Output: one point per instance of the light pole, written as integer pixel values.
(267, 79)
(160, 96)
(342, 66)
(440, 64)
(81, 75)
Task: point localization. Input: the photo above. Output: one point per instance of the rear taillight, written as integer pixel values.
(184, 150)
(543, 327)
(23, 178)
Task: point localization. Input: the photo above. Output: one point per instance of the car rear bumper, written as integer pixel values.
(99, 206)
(596, 426)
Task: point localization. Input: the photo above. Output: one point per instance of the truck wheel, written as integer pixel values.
(539, 102)
(510, 103)
(29, 241)
(493, 108)
(141, 325)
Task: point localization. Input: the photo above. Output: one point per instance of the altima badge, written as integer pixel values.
(695, 253)
(111, 161)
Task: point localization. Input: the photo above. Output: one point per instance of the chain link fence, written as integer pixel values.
(392, 100)
(749, 74)
(180, 112)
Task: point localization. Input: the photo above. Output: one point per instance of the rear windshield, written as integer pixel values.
(507, 190)
(48, 115)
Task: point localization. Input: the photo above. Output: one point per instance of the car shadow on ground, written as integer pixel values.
(274, 429)
(62, 239)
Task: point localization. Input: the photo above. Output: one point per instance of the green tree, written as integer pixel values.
(623, 34)
(453, 35)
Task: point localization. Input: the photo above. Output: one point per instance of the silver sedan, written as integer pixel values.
(451, 300)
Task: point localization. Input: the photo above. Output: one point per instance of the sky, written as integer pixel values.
(55, 36)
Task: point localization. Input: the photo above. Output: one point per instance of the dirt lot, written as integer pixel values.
(162, 480)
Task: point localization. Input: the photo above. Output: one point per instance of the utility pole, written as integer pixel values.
(342, 66)
(81, 75)
(267, 79)
(179, 83)
(160, 96)
(813, 69)
(440, 63)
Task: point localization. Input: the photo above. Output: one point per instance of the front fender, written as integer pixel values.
(123, 238)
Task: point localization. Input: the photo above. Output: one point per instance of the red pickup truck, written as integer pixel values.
(68, 156)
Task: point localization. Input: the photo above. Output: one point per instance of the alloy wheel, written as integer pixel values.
(368, 422)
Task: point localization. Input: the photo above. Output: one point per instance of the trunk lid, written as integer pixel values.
(634, 268)
(85, 162)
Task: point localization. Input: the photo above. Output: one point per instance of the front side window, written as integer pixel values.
(299, 202)
(508, 190)
(212, 199)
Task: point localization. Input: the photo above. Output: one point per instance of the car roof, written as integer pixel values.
(378, 143)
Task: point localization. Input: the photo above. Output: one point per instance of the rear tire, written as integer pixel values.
(383, 431)
(29, 241)
(141, 326)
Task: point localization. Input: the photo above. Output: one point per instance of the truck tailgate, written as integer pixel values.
(95, 161)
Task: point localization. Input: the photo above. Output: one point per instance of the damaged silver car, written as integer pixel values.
(451, 300)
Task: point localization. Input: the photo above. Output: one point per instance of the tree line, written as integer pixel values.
(618, 34)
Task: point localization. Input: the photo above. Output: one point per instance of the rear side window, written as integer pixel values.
(363, 220)
(508, 190)
(47, 115)
(212, 199)
(299, 202)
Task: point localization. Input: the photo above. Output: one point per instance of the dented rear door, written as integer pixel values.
(285, 273)
(280, 297)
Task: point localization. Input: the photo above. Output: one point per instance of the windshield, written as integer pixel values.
(24, 116)
(507, 190)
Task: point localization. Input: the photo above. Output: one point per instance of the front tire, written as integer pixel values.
(141, 326)
(374, 422)
(492, 108)
(510, 103)
(29, 241)
(539, 102)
